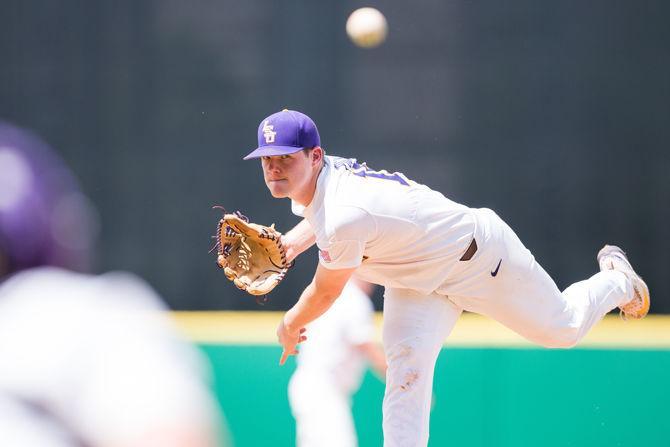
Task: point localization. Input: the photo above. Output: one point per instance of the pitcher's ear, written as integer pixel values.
(317, 154)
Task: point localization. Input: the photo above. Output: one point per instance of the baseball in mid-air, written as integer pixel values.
(367, 27)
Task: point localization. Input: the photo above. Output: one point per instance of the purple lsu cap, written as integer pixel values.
(284, 133)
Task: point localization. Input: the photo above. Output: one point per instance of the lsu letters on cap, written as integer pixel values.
(284, 133)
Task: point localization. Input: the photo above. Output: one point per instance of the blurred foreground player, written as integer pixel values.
(330, 369)
(84, 360)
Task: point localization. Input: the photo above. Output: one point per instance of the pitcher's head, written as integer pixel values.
(289, 147)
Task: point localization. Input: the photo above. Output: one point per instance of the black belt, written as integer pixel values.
(470, 252)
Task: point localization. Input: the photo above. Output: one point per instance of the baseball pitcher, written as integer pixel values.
(435, 259)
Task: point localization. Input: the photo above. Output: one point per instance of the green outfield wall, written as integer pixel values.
(500, 393)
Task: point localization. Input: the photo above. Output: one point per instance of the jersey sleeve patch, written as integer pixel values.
(341, 254)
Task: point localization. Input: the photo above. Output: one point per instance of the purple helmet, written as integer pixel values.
(44, 218)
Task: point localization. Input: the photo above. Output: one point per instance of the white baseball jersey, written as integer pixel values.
(397, 232)
(22, 425)
(331, 343)
(92, 360)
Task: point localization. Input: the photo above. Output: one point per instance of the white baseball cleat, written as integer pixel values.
(611, 257)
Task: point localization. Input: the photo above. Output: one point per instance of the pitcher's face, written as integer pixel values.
(289, 175)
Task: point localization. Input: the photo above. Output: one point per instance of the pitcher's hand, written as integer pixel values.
(289, 341)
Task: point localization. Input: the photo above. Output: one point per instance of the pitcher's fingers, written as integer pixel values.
(302, 331)
(302, 338)
(284, 356)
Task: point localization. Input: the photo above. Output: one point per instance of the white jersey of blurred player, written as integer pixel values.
(93, 361)
(330, 369)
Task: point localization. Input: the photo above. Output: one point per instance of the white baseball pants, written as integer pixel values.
(520, 295)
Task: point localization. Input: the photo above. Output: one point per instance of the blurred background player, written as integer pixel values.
(330, 369)
(84, 360)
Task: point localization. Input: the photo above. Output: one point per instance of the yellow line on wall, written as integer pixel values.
(471, 330)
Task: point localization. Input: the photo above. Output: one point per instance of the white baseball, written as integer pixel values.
(367, 27)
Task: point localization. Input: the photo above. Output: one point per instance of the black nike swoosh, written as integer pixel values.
(495, 272)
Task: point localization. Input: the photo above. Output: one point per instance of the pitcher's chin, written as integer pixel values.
(277, 193)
